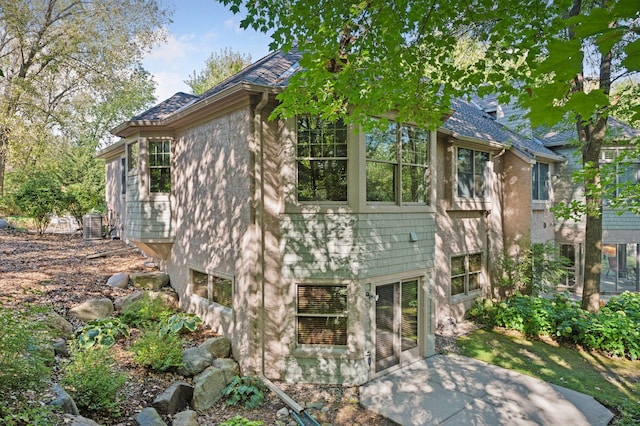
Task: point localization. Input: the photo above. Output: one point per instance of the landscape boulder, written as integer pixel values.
(92, 309)
(211, 382)
(185, 418)
(124, 301)
(61, 348)
(71, 420)
(4, 224)
(149, 280)
(194, 361)
(219, 347)
(174, 399)
(58, 326)
(169, 297)
(120, 280)
(150, 417)
(64, 401)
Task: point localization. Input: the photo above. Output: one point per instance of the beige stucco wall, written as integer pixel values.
(462, 229)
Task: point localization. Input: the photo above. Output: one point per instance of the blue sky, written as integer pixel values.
(199, 28)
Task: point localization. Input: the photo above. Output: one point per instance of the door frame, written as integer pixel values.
(424, 319)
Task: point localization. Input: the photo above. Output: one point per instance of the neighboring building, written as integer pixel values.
(325, 254)
(620, 230)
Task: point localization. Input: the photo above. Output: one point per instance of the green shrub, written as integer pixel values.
(23, 363)
(93, 381)
(160, 352)
(38, 197)
(27, 413)
(179, 322)
(241, 421)
(101, 332)
(614, 330)
(145, 311)
(246, 390)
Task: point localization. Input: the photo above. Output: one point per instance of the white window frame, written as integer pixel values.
(466, 274)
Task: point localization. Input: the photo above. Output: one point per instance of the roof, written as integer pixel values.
(275, 69)
(166, 108)
(566, 133)
(470, 121)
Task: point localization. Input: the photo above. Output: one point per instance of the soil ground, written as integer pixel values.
(54, 270)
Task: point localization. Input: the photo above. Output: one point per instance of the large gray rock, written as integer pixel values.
(120, 280)
(79, 421)
(149, 280)
(194, 361)
(92, 309)
(149, 417)
(169, 297)
(175, 398)
(124, 301)
(58, 326)
(229, 366)
(64, 401)
(4, 224)
(208, 388)
(219, 347)
(185, 418)
(61, 348)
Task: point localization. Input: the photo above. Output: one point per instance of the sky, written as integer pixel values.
(199, 28)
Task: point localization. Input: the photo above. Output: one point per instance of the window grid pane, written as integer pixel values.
(322, 315)
(222, 291)
(321, 151)
(160, 166)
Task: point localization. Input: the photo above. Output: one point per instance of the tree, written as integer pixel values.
(38, 197)
(218, 67)
(377, 56)
(54, 52)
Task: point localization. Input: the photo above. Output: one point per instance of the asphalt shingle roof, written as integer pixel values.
(166, 107)
(565, 134)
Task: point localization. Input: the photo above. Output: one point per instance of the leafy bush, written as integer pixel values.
(93, 381)
(241, 421)
(38, 197)
(614, 330)
(23, 363)
(145, 311)
(101, 332)
(246, 390)
(25, 360)
(160, 352)
(179, 322)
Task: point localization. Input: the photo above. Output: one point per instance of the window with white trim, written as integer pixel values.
(160, 165)
(397, 162)
(465, 274)
(540, 181)
(321, 156)
(214, 288)
(322, 315)
(132, 156)
(472, 173)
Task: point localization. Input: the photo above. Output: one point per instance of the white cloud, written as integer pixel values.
(169, 83)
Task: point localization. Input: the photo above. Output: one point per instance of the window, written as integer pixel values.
(397, 163)
(627, 172)
(160, 166)
(132, 156)
(540, 181)
(321, 153)
(213, 288)
(123, 175)
(465, 273)
(472, 173)
(322, 315)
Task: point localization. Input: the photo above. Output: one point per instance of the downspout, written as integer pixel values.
(260, 235)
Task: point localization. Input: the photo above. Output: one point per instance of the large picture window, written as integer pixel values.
(213, 288)
(472, 173)
(465, 274)
(540, 181)
(321, 153)
(160, 165)
(322, 315)
(396, 164)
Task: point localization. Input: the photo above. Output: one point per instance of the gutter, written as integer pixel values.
(259, 217)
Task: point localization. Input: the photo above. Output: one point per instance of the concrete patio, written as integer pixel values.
(456, 390)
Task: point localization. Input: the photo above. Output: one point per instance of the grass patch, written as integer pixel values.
(614, 382)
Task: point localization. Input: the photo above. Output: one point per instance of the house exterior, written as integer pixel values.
(620, 230)
(325, 253)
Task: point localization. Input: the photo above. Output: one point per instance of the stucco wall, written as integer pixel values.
(213, 223)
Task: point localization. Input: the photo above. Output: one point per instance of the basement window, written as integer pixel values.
(214, 288)
(322, 315)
